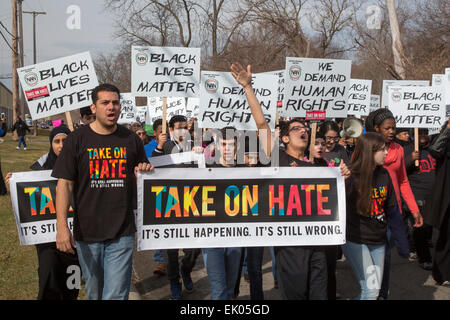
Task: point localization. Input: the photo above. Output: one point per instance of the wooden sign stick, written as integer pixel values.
(164, 116)
(416, 143)
(313, 141)
(69, 120)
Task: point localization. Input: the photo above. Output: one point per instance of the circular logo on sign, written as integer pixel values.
(396, 96)
(31, 79)
(141, 59)
(211, 85)
(295, 72)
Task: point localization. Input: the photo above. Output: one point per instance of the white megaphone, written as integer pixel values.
(352, 128)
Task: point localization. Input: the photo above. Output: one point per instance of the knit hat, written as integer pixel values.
(400, 130)
(376, 118)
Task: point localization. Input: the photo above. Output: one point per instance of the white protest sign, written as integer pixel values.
(127, 109)
(192, 107)
(175, 106)
(316, 85)
(417, 107)
(223, 102)
(397, 83)
(59, 85)
(280, 75)
(33, 196)
(165, 71)
(447, 91)
(141, 113)
(437, 80)
(374, 102)
(359, 95)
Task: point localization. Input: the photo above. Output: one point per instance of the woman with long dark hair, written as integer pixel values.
(371, 202)
(383, 122)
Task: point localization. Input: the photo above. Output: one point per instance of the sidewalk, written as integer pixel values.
(408, 281)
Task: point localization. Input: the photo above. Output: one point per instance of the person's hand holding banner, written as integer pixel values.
(143, 167)
(345, 171)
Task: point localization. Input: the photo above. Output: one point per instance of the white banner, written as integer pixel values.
(127, 109)
(165, 71)
(59, 85)
(359, 97)
(223, 102)
(417, 107)
(374, 102)
(316, 84)
(240, 207)
(447, 91)
(33, 196)
(398, 83)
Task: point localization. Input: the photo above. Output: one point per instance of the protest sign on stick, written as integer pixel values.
(127, 109)
(223, 101)
(398, 83)
(165, 71)
(374, 102)
(359, 97)
(417, 107)
(316, 85)
(313, 117)
(240, 207)
(447, 91)
(174, 106)
(59, 85)
(33, 196)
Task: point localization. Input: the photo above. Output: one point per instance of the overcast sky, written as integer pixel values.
(54, 38)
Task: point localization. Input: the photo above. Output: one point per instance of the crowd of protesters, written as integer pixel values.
(391, 202)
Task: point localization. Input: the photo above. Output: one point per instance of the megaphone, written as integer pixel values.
(352, 128)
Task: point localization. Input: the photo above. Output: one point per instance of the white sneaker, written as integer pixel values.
(17, 148)
(24, 148)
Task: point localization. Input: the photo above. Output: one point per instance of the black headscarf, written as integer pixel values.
(51, 159)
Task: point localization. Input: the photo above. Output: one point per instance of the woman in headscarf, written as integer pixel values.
(53, 264)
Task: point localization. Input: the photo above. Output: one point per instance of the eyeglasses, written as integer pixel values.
(335, 139)
(299, 128)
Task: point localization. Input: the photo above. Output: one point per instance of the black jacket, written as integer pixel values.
(439, 202)
(21, 128)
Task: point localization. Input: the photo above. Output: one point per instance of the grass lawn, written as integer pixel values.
(18, 264)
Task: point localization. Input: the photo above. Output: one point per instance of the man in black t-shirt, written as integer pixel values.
(97, 166)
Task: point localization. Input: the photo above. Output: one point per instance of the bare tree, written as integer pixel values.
(154, 22)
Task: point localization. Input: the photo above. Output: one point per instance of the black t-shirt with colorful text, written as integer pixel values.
(370, 229)
(102, 167)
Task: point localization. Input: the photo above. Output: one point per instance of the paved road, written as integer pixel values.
(408, 281)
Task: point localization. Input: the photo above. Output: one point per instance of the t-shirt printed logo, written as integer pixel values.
(379, 196)
(107, 167)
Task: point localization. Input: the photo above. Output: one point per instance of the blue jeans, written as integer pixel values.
(106, 268)
(158, 257)
(222, 267)
(367, 263)
(21, 140)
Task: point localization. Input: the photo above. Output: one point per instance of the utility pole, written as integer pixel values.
(15, 79)
(34, 13)
(20, 27)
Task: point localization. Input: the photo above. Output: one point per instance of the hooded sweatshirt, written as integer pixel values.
(395, 165)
